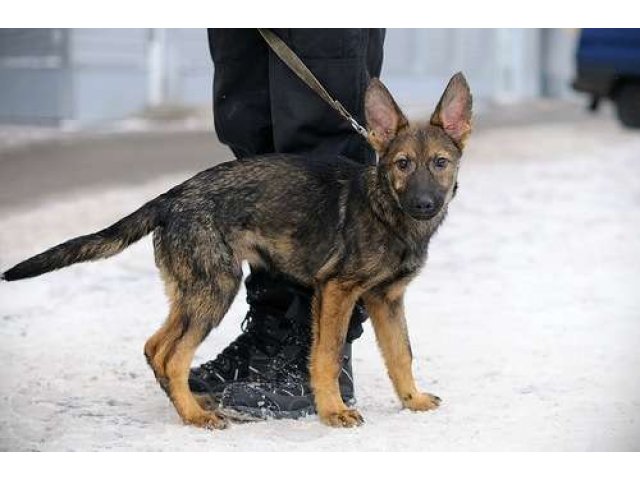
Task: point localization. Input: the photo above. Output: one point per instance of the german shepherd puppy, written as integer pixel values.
(349, 231)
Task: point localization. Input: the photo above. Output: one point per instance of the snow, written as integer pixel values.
(526, 320)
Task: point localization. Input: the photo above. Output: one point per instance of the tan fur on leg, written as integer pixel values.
(386, 309)
(177, 371)
(333, 305)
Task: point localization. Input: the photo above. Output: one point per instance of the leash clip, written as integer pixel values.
(358, 128)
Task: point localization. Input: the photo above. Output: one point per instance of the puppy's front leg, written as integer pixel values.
(386, 309)
(332, 307)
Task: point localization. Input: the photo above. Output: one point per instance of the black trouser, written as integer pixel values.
(260, 106)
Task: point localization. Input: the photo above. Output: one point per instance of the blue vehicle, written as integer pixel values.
(608, 66)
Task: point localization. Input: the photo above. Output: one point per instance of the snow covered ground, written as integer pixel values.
(526, 320)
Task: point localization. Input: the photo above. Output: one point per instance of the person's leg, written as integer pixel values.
(343, 60)
(241, 102)
(276, 332)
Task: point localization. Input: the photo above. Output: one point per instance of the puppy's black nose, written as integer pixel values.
(425, 205)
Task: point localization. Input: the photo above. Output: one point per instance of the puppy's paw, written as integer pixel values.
(208, 420)
(420, 402)
(347, 418)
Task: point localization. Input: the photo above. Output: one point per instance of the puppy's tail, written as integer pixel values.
(102, 244)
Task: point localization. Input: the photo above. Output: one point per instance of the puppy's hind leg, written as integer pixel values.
(202, 276)
(196, 311)
(156, 347)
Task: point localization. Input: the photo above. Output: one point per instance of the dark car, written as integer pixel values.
(608, 66)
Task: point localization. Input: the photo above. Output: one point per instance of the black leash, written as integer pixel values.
(300, 69)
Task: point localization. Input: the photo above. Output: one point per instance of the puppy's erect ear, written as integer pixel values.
(453, 112)
(384, 117)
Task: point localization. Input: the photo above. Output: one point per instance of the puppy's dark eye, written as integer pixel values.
(403, 163)
(440, 163)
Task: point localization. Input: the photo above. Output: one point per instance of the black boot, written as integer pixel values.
(247, 358)
(271, 353)
(288, 397)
